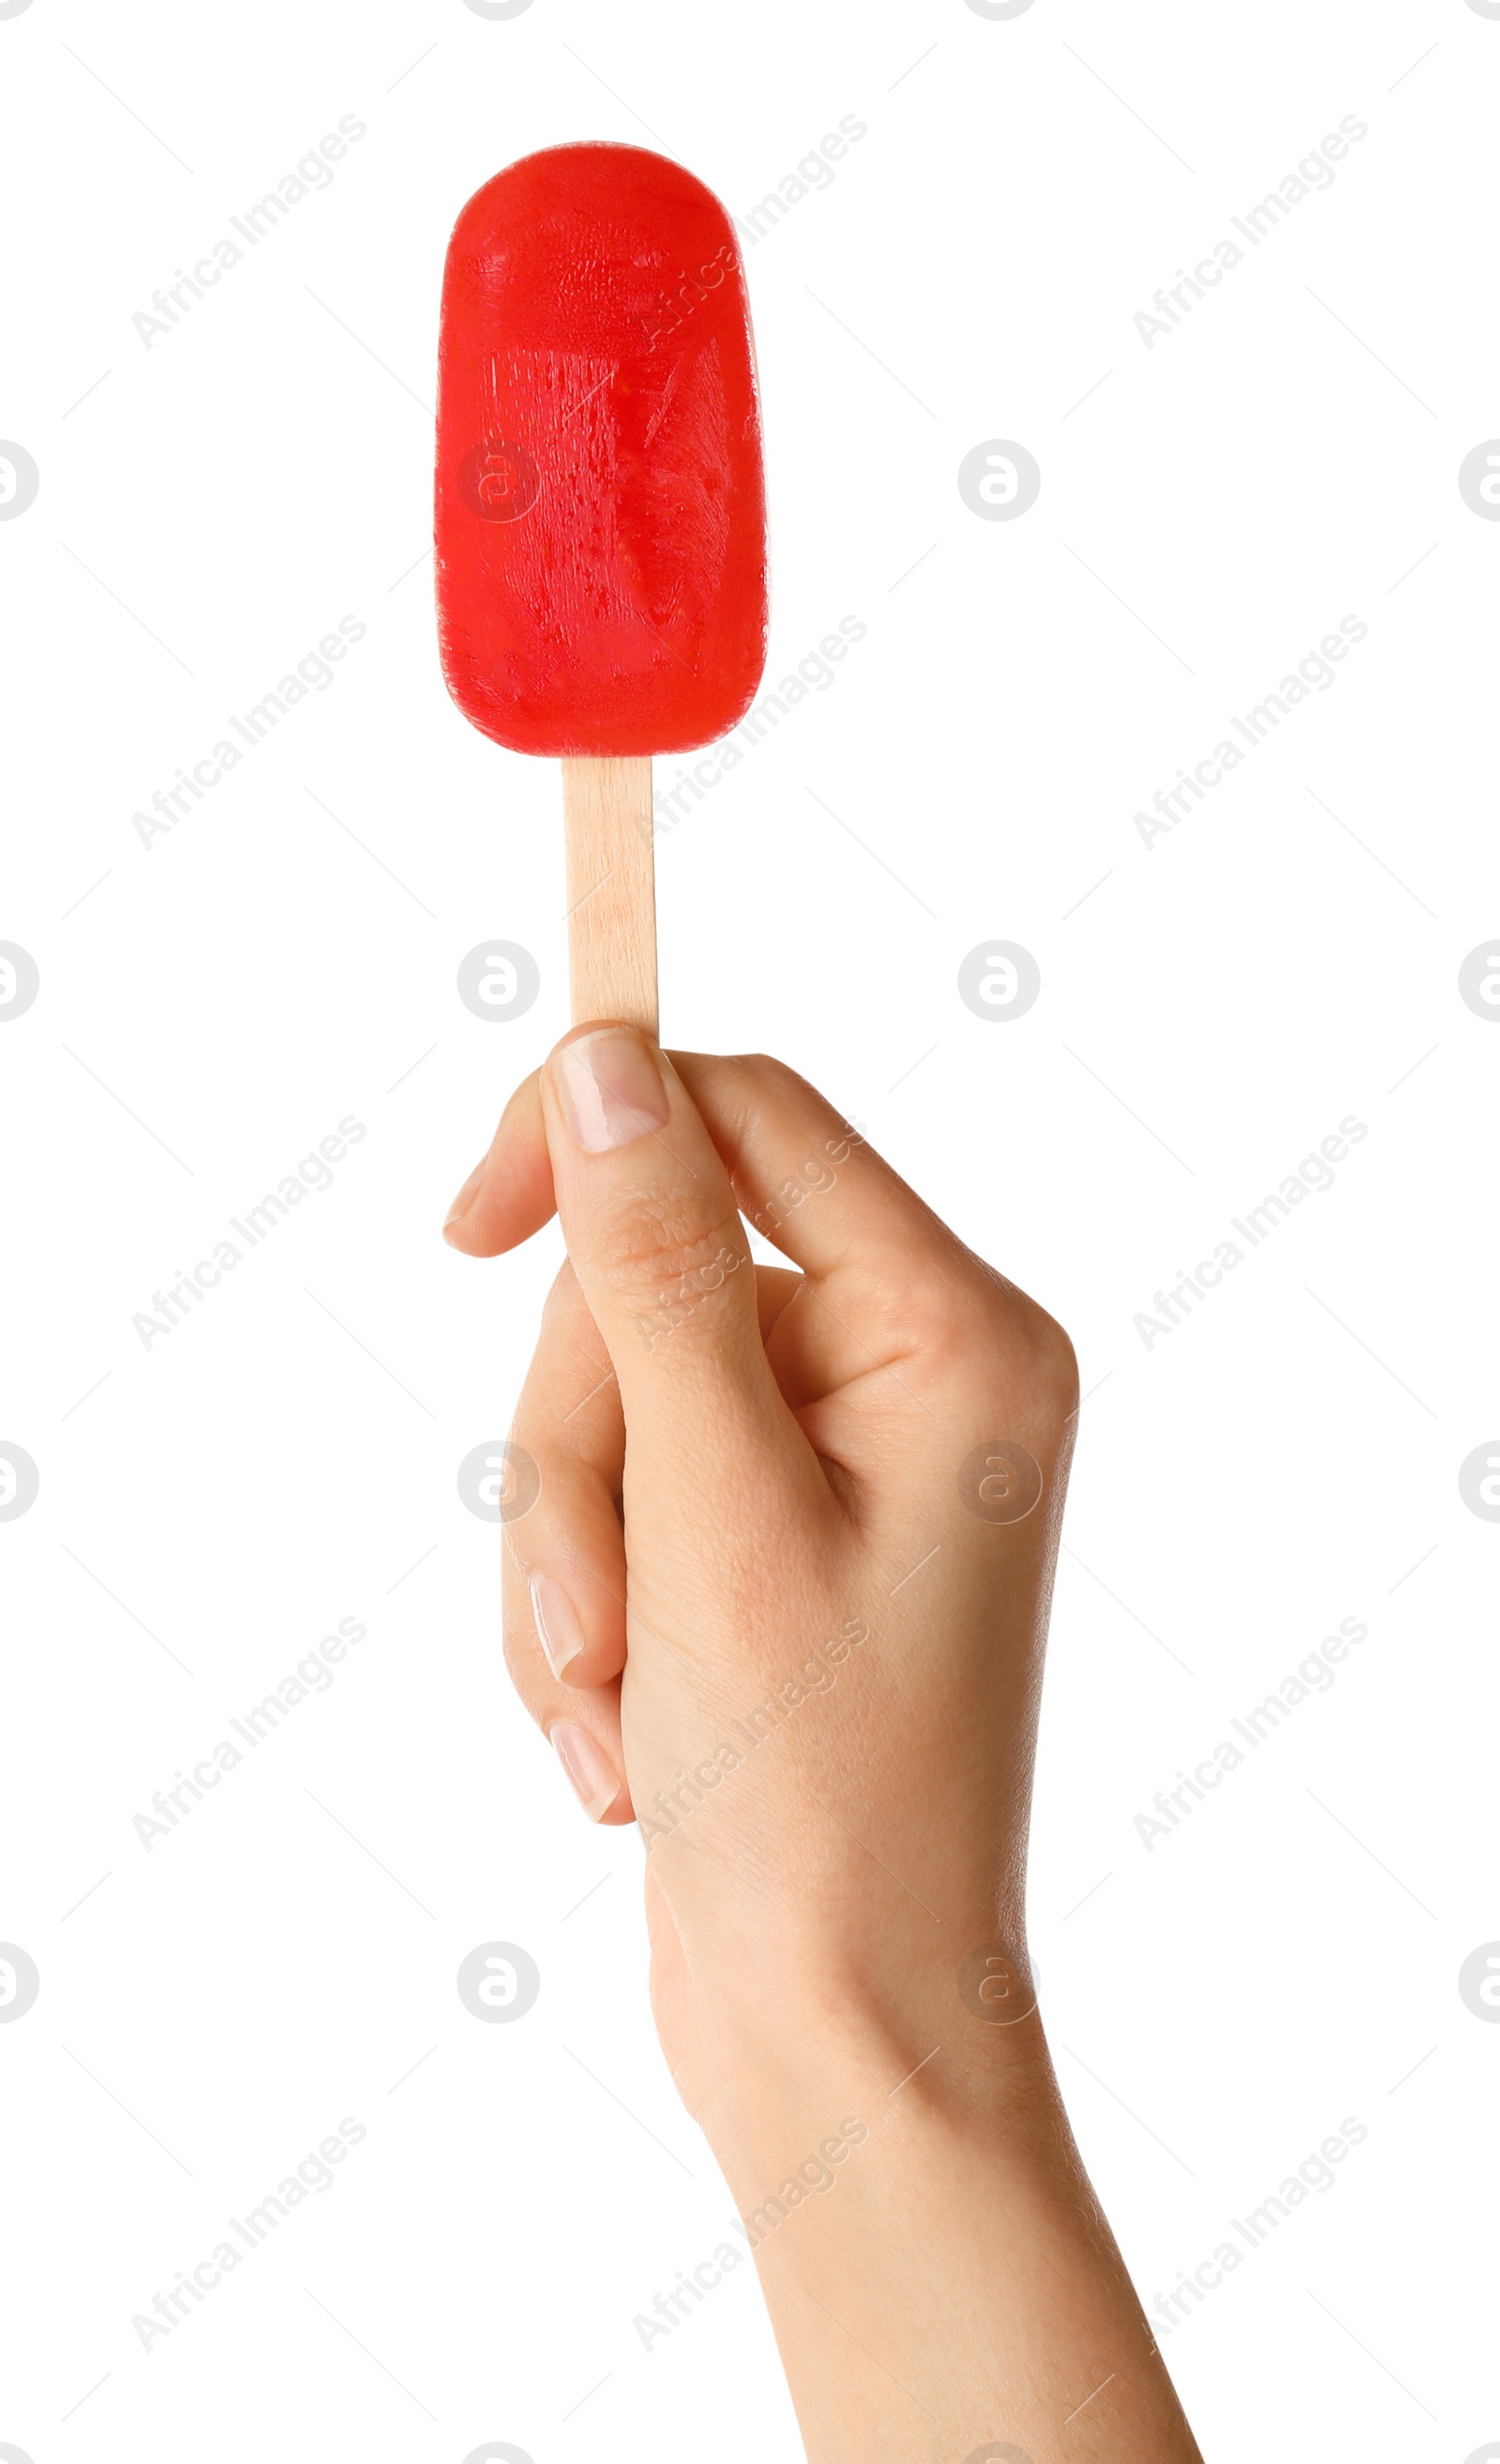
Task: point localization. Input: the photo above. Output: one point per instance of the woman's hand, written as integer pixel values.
(781, 1599)
(823, 1713)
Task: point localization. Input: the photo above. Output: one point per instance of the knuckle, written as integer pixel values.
(1041, 1347)
(758, 1065)
(669, 1250)
(996, 1340)
(762, 1083)
(1055, 1368)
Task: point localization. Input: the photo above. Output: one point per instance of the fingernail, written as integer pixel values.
(610, 1090)
(557, 1629)
(595, 1780)
(466, 1195)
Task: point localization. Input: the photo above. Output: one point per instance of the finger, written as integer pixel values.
(582, 1725)
(508, 1195)
(886, 1283)
(564, 1577)
(662, 1258)
(776, 1288)
(568, 1549)
(805, 1178)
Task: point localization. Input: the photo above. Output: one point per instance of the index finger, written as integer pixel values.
(805, 1178)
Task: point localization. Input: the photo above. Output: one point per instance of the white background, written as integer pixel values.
(213, 1004)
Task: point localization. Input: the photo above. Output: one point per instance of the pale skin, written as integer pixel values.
(779, 1601)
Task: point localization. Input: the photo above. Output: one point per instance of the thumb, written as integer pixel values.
(664, 1260)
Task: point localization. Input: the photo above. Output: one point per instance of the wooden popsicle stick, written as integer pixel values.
(611, 891)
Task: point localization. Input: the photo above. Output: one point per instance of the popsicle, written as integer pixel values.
(600, 531)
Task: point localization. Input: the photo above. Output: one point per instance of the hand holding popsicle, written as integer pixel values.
(782, 1592)
(781, 1597)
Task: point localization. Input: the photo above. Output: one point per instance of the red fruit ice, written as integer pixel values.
(600, 508)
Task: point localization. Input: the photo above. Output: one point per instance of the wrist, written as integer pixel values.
(957, 2053)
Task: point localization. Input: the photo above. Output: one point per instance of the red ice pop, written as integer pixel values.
(599, 507)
